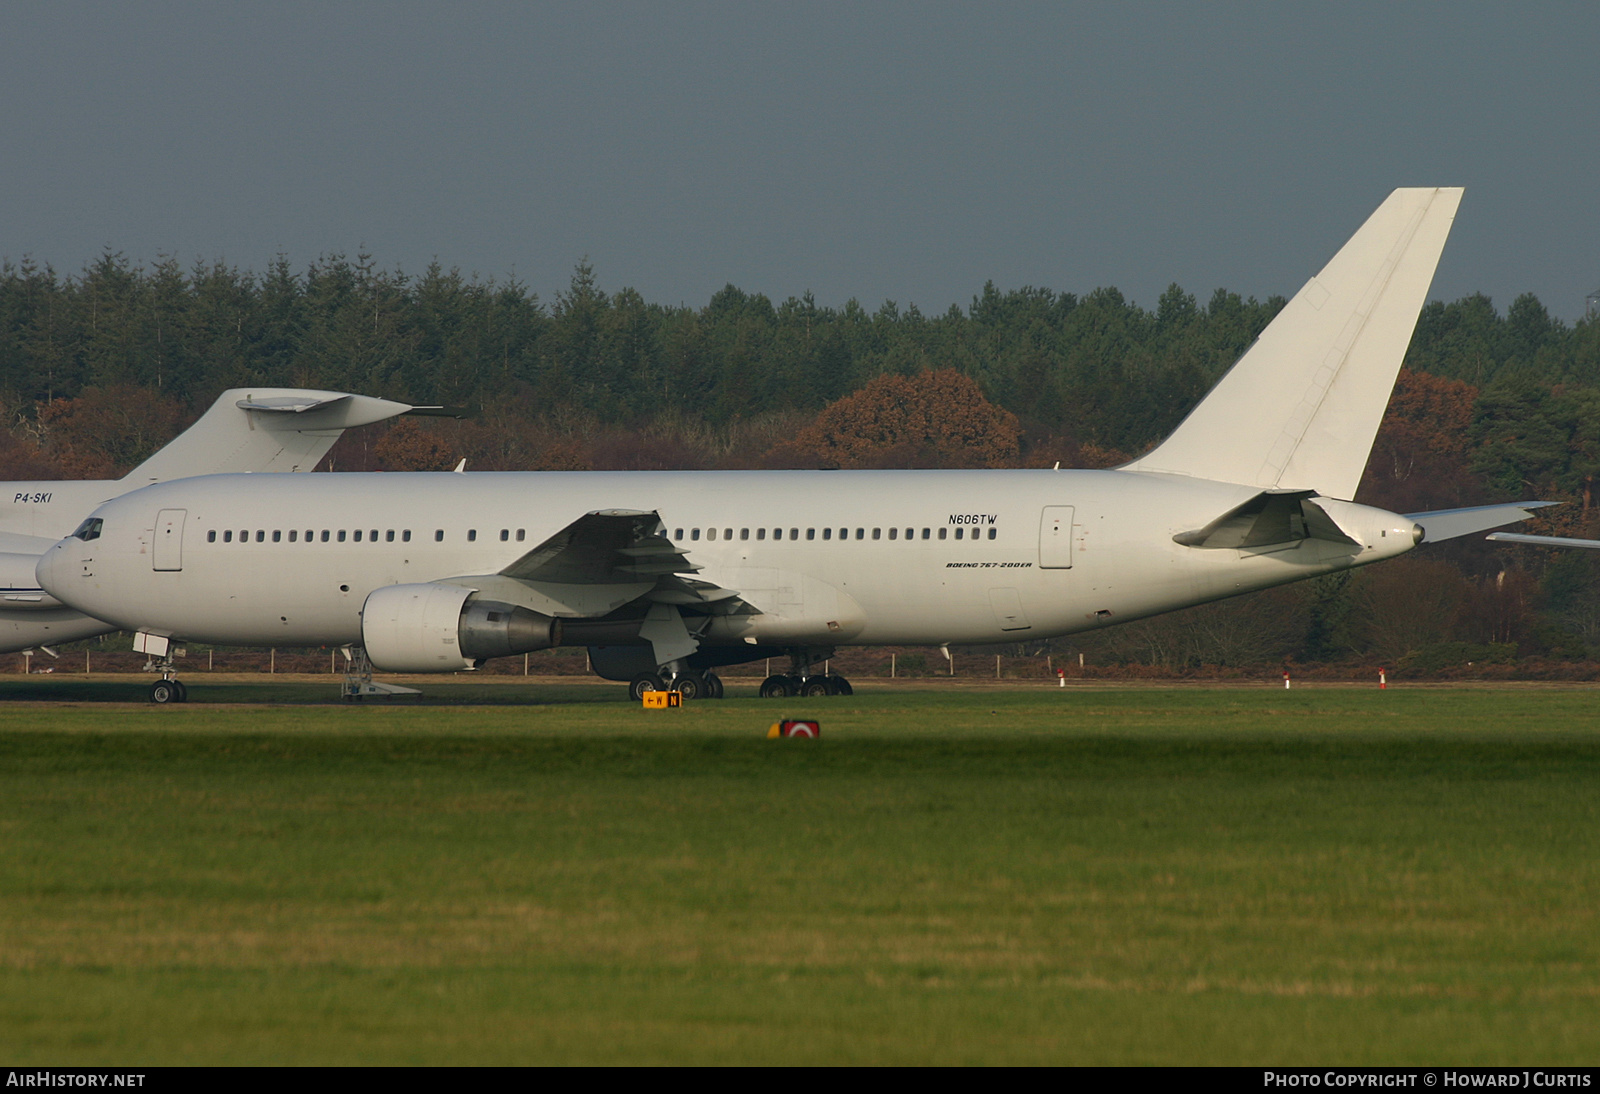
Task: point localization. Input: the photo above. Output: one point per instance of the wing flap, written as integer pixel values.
(606, 547)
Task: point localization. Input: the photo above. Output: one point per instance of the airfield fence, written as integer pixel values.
(909, 663)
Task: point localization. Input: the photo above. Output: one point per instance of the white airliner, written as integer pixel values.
(667, 575)
(259, 429)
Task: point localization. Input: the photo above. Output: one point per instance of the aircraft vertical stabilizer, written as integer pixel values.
(264, 429)
(1300, 409)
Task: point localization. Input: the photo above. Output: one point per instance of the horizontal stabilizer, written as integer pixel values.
(287, 404)
(1544, 541)
(1271, 518)
(1449, 523)
(320, 410)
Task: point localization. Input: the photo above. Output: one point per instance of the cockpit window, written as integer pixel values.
(89, 529)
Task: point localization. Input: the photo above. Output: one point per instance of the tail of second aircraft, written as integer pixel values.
(1300, 409)
(265, 429)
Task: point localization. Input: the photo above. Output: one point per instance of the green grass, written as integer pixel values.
(1028, 876)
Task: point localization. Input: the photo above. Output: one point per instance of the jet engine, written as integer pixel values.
(435, 627)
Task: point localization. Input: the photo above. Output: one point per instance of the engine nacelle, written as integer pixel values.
(435, 627)
(492, 629)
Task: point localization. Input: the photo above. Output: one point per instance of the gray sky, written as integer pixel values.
(881, 151)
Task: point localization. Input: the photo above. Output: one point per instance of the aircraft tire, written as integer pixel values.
(777, 687)
(841, 686)
(690, 686)
(815, 686)
(162, 691)
(183, 692)
(645, 681)
(713, 686)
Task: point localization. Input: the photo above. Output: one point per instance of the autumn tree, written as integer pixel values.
(408, 445)
(934, 419)
(106, 432)
(1421, 457)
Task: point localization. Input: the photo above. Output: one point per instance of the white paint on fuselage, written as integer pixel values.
(280, 593)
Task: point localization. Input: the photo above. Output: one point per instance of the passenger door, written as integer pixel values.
(167, 552)
(1055, 538)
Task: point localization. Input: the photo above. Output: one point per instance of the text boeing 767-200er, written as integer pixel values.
(667, 575)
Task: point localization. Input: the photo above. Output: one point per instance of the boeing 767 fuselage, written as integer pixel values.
(665, 576)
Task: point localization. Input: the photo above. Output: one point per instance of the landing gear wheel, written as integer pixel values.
(183, 692)
(164, 691)
(815, 686)
(777, 687)
(713, 686)
(689, 686)
(645, 681)
(841, 686)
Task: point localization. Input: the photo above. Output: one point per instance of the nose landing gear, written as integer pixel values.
(168, 690)
(160, 651)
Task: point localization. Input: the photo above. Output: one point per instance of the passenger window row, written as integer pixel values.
(712, 534)
(340, 536)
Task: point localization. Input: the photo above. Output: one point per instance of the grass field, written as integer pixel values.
(948, 876)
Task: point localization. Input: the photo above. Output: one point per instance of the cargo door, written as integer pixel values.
(167, 552)
(1055, 538)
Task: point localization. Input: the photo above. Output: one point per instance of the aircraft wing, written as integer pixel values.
(605, 547)
(1450, 523)
(602, 561)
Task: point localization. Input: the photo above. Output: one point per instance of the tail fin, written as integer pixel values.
(1300, 409)
(263, 429)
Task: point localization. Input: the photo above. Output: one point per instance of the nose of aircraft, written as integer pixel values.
(53, 567)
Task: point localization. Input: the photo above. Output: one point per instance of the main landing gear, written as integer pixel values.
(782, 686)
(688, 685)
(800, 680)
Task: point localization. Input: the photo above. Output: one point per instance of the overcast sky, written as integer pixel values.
(878, 151)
